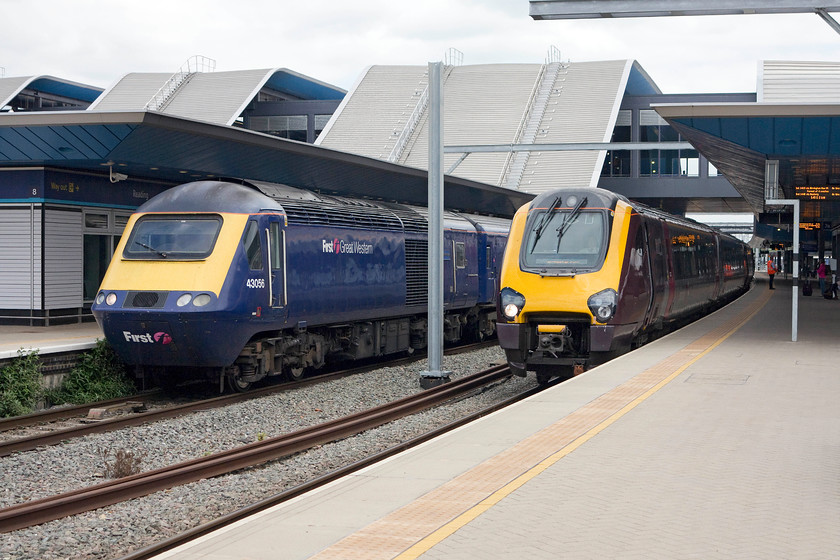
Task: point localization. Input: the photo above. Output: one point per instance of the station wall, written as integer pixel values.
(58, 231)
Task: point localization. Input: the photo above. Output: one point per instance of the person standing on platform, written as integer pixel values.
(821, 276)
(771, 272)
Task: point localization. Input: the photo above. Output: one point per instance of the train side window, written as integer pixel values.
(276, 247)
(460, 255)
(253, 246)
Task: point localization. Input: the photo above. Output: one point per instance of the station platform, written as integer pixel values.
(48, 340)
(721, 440)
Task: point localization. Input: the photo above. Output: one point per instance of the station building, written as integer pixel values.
(65, 196)
(76, 160)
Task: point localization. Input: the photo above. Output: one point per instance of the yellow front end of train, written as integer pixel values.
(560, 280)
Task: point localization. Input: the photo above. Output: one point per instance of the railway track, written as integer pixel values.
(55, 436)
(93, 497)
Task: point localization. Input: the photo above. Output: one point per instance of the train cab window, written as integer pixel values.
(175, 237)
(460, 255)
(564, 240)
(253, 246)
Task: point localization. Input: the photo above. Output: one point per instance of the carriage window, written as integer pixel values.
(253, 246)
(460, 256)
(563, 240)
(173, 237)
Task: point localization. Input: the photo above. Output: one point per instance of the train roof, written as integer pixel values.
(211, 196)
(608, 199)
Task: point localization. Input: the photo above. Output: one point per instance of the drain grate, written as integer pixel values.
(718, 379)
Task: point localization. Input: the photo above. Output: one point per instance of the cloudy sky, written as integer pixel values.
(96, 41)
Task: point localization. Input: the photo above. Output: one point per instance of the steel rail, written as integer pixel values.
(64, 413)
(107, 493)
(135, 419)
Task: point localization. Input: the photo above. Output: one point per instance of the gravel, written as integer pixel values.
(114, 531)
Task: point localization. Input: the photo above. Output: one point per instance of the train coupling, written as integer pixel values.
(554, 339)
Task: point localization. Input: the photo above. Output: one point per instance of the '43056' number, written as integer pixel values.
(255, 282)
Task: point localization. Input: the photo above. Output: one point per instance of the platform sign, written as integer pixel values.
(817, 192)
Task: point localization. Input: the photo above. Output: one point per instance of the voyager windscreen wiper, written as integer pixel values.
(152, 249)
(570, 217)
(544, 219)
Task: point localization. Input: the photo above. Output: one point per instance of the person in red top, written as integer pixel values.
(771, 272)
(821, 276)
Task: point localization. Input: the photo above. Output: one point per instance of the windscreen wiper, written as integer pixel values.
(152, 249)
(544, 219)
(570, 217)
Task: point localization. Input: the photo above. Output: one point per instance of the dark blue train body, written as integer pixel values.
(250, 280)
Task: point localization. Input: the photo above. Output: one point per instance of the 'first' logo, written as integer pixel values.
(333, 246)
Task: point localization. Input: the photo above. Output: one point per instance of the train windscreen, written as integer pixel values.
(175, 237)
(564, 239)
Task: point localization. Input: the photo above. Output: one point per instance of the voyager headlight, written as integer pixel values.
(602, 305)
(512, 302)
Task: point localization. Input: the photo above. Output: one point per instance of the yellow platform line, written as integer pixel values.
(412, 530)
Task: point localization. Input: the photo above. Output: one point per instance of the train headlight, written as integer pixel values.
(602, 305)
(100, 297)
(201, 300)
(111, 299)
(512, 303)
(184, 300)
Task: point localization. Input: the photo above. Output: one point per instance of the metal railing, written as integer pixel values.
(193, 65)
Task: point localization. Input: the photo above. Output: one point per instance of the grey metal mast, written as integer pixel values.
(434, 376)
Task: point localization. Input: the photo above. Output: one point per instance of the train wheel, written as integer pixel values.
(296, 373)
(236, 383)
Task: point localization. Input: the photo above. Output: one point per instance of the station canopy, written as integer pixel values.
(739, 138)
(154, 146)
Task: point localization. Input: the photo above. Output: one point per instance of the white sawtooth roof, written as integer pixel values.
(10, 87)
(375, 110)
(782, 81)
(488, 104)
(584, 109)
(215, 97)
(482, 104)
(131, 92)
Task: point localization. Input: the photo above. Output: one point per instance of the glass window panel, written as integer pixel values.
(648, 163)
(96, 256)
(668, 134)
(616, 164)
(669, 162)
(173, 237)
(713, 171)
(580, 246)
(460, 256)
(689, 163)
(253, 246)
(96, 221)
(276, 247)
